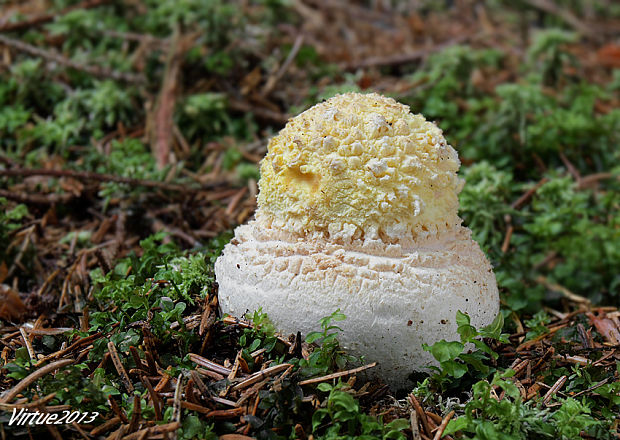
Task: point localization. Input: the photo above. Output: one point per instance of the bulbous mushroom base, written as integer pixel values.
(395, 298)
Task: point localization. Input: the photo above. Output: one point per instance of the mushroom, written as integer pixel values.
(357, 211)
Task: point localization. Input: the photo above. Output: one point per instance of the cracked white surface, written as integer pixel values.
(395, 298)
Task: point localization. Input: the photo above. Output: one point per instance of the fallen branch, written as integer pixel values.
(96, 71)
(563, 290)
(273, 80)
(554, 389)
(338, 374)
(191, 406)
(528, 194)
(443, 425)
(594, 178)
(149, 432)
(402, 58)
(36, 199)
(34, 404)
(176, 401)
(155, 400)
(46, 18)
(421, 414)
(163, 123)
(592, 388)
(413, 422)
(204, 362)
(263, 113)
(564, 14)
(86, 175)
(260, 375)
(77, 344)
(105, 426)
(33, 377)
(116, 360)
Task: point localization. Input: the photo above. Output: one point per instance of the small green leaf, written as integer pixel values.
(317, 418)
(336, 316)
(313, 336)
(445, 351)
(345, 401)
(255, 344)
(324, 386)
(166, 303)
(494, 329)
(454, 369)
(462, 318)
(456, 425)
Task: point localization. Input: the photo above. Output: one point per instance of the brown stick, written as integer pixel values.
(554, 389)
(571, 168)
(136, 358)
(507, 237)
(157, 429)
(162, 117)
(54, 432)
(116, 409)
(257, 377)
(338, 374)
(107, 425)
(210, 374)
(251, 392)
(96, 71)
(176, 403)
(235, 366)
(27, 343)
(394, 60)
(154, 396)
(191, 406)
(136, 415)
(520, 366)
(273, 80)
(443, 425)
(83, 433)
(204, 391)
(46, 18)
(85, 175)
(33, 377)
(413, 421)
(226, 413)
(204, 362)
(528, 194)
(563, 290)
(261, 112)
(592, 388)
(150, 361)
(421, 414)
(77, 344)
(209, 315)
(593, 178)
(36, 199)
(35, 403)
(119, 367)
(564, 14)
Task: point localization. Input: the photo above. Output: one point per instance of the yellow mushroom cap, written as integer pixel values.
(360, 166)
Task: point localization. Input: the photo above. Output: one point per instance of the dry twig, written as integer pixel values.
(33, 377)
(96, 71)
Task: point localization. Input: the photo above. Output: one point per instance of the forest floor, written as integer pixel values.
(130, 138)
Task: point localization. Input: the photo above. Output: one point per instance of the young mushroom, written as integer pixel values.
(357, 211)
